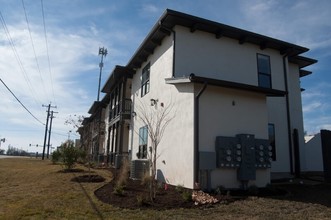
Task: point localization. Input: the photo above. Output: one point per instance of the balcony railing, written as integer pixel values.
(123, 108)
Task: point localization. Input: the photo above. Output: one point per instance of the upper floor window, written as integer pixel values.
(145, 80)
(264, 70)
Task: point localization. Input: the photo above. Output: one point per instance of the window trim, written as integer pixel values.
(145, 83)
(263, 73)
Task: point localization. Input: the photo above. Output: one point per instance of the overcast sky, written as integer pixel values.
(56, 60)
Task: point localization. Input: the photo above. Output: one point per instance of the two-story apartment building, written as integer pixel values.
(235, 98)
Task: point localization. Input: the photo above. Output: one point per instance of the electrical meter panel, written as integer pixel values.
(228, 152)
(244, 153)
(263, 154)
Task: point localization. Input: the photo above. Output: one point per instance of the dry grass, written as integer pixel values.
(34, 189)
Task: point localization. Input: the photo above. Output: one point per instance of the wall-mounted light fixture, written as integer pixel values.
(154, 102)
(134, 114)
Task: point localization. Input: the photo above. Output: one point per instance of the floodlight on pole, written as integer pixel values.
(103, 52)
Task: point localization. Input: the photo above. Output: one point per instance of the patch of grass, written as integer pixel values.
(35, 189)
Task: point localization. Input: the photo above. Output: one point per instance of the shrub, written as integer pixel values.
(219, 190)
(69, 155)
(140, 199)
(146, 179)
(119, 190)
(179, 188)
(253, 190)
(56, 156)
(187, 195)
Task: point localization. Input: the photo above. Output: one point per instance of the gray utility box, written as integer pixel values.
(138, 168)
(244, 153)
(247, 170)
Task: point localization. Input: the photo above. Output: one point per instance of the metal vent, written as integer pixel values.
(138, 168)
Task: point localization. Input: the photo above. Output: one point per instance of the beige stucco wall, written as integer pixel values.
(175, 161)
(228, 112)
(296, 108)
(278, 117)
(204, 55)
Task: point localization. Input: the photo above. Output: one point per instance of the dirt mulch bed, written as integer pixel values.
(88, 179)
(136, 196)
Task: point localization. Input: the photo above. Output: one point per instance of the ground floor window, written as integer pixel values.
(143, 138)
(272, 140)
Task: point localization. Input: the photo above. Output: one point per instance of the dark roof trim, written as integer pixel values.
(96, 106)
(86, 121)
(171, 18)
(302, 61)
(117, 74)
(227, 84)
(305, 73)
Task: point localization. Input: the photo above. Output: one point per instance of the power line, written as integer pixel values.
(46, 41)
(21, 102)
(34, 51)
(18, 59)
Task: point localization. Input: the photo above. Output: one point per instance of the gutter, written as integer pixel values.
(288, 114)
(196, 133)
(173, 45)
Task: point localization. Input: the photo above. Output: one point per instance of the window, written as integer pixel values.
(264, 70)
(145, 80)
(143, 138)
(272, 140)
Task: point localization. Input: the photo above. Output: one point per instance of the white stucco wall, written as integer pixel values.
(175, 162)
(225, 59)
(296, 108)
(314, 155)
(106, 121)
(278, 116)
(228, 112)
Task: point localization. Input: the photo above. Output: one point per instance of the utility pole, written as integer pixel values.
(49, 133)
(103, 52)
(46, 127)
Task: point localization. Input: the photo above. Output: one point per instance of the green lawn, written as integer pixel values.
(35, 189)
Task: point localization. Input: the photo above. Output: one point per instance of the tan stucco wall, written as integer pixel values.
(228, 112)
(201, 53)
(176, 147)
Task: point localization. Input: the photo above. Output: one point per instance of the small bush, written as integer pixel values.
(146, 179)
(180, 188)
(219, 190)
(69, 156)
(119, 190)
(187, 195)
(253, 190)
(140, 199)
(56, 156)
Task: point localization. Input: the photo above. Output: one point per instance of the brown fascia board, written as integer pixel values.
(234, 85)
(305, 73)
(96, 106)
(116, 74)
(302, 61)
(86, 120)
(171, 18)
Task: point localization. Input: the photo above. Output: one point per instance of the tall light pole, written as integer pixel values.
(103, 52)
